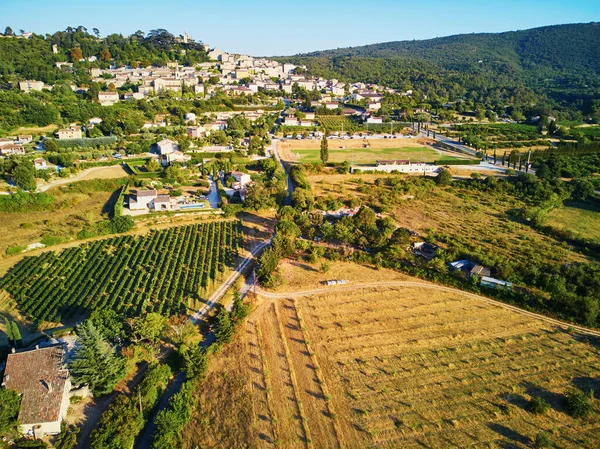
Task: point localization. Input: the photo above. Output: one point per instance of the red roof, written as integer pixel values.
(38, 375)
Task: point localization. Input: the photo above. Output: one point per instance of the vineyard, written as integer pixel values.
(158, 272)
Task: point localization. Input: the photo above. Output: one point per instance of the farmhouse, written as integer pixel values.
(40, 163)
(6, 150)
(242, 178)
(197, 132)
(72, 132)
(166, 146)
(108, 98)
(148, 200)
(29, 85)
(402, 166)
(39, 377)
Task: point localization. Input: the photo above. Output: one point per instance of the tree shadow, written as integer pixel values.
(586, 384)
(109, 207)
(509, 433)
(555, 400)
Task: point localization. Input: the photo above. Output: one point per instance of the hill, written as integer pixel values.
(555, 65)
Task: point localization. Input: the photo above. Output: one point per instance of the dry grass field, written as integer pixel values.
(408, 367)
(479, 222)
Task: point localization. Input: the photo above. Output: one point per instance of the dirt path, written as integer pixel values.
(367, 285)
(93, 410)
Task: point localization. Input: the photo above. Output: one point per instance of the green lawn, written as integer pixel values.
(581, 218)
(371, 155)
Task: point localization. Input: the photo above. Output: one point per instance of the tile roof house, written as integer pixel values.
(43, 383)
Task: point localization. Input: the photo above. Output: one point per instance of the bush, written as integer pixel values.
(542, 440)
(578, 404)
(538, 406)
(26, 202)
(12, 250)
(50, 240)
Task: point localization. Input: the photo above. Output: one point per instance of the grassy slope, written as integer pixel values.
(583, 219)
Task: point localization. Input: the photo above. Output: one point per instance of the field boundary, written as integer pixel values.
(319, 291)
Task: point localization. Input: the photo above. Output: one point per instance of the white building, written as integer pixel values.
(402, 166)
(167, 146)
(108, 98)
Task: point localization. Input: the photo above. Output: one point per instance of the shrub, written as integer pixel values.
(542, 440)
(578, 404)
(12, 250)
(50, 240)
(538, 406)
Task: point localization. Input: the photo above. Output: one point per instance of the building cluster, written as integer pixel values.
(14, 145)
(234, 74)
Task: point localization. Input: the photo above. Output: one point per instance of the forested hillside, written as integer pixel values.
(557, 67)
(34, 58)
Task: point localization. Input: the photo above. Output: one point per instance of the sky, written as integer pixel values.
(267, 27)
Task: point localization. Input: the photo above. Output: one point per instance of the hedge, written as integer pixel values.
(86, 142)
(458, 162)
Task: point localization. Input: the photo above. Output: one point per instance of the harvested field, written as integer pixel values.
(405, 367)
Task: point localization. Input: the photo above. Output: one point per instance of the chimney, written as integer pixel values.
(37, 346)
(49, 384)
(12, 350)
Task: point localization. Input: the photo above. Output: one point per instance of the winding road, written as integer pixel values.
(368, 285)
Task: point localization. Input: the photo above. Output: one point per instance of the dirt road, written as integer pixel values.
(114, 171)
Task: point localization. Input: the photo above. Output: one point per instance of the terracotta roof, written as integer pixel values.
(145, 193)
(162, 199)
(38, 375)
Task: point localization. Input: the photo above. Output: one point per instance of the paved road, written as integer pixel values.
(228, 282)
(356, 286)
(213, 194)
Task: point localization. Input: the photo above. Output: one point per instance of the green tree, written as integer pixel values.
(196, 362)
(8, 31)
(51, 146)
(239, 310)
(152, 165)
(324, 150)
(107, 322)
(149, 327)
(15, 333)
(224, 330)
(24, 176)
(538, 406)
(95, 362)
(119, 425)
(10, 402)
(444, 177)
(8, 329)
(578, 403)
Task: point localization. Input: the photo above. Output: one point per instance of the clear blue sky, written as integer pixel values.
(267, 27)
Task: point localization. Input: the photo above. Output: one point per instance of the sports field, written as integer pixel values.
(364, 151)
(410, 367)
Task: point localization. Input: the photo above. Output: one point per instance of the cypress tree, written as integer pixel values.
(224, 330)
(16, 334)
(8, 327)
(324, 150)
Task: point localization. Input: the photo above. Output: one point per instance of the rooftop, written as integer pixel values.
(38, 375)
